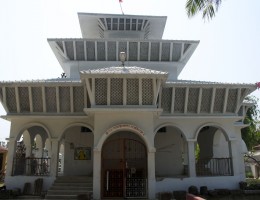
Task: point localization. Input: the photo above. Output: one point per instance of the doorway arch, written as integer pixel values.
(124, 166)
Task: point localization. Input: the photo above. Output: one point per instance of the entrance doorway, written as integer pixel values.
(124, 168)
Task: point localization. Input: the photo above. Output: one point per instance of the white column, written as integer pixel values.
(151, 174)
(96, 173)
(236, 155)
(10, 155)
(54, 157)
(191, 154)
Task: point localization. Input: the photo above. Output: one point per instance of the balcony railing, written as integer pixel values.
(31, 166)
(214, 167)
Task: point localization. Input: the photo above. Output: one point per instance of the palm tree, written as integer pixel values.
(207, 7)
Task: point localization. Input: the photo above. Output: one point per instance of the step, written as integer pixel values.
(67, 192)
(70, 187)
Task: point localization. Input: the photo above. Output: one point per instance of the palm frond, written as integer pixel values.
(207, 7)
(193, 6)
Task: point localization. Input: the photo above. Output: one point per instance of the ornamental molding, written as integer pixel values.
(125, 126)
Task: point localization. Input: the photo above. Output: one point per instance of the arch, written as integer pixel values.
(73, 125)
(172, 125)
(216, 125)
(29, 125)
(123, 127)
(171, 156)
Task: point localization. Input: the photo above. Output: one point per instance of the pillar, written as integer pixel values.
(151, 174)
(10, 155)
(96, 173)
(237, 159)
(54, 157)
(191, 154)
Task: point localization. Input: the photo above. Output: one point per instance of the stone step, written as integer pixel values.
(67, 192)
(61, 197)
(71, 187)
(73, 184)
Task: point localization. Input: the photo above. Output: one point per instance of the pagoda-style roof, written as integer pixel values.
(96, 25)
(77, 55)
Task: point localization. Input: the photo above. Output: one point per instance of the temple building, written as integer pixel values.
(120, 117)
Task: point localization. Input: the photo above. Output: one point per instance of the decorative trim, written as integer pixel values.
(125, 126)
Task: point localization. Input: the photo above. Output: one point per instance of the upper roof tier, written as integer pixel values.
(96, 25)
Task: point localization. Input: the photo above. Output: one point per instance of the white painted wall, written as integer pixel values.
(169, 153)
(78, 139)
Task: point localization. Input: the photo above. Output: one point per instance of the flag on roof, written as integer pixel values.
(258, 85)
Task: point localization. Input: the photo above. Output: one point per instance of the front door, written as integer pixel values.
(124, 169)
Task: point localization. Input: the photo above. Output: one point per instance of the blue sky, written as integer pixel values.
(228, 50)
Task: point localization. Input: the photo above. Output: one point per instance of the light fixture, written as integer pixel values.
(122, 56)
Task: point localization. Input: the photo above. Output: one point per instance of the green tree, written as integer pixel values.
(251, 134)
(207, 7)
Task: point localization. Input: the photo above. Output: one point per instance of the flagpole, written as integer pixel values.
(120, 1)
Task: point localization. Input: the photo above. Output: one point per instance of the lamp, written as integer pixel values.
(122, 56)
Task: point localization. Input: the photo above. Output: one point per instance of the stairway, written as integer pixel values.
(69, 187)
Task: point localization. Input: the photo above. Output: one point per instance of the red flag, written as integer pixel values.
(258, 85)
(120, 1)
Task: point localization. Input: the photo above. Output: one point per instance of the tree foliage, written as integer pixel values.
(251, 134)
(208, 8)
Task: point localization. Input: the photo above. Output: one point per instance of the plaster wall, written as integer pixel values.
(169, 150)
(74, 137)
(106, 120)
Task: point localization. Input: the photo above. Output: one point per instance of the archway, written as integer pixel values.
(213, 152)
(76, 151)
(171, 157)
(124, 166)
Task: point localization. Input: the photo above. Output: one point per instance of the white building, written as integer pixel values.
(131, 125)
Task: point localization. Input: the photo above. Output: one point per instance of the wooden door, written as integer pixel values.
(124, 169)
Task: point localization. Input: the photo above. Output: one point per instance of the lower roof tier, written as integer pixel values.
(174, 98)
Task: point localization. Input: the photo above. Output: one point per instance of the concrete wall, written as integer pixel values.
(74, 137)
(169, 152)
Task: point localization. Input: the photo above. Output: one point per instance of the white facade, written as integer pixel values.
(135, 120)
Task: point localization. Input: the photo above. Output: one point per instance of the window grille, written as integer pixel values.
(132, 91)
(69, 49)
(90, 50)
(50, 95)
(78, 98)
(165, 52)
(144, 51)
(11, 103)
(64, 95)
(176, 51)
(101, 51)
(166, 99)
(24, 99)
(231, 101)
(155, 51)
(193, 99)
(37, 99)
(147, 91)
(80, 50)
(206, 100)
(219, 100)
(111, 51)
(133, 51)
(116, 91)
(101, 91)
(179, 99)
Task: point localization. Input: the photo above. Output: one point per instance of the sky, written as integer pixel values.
(228, 50)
